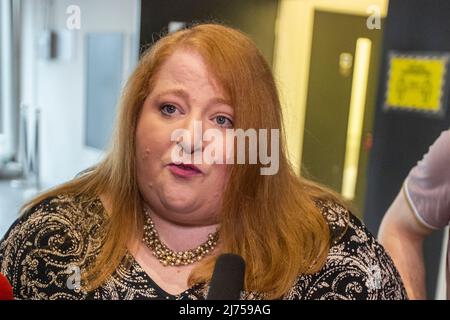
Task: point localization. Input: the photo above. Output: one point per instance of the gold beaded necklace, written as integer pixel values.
(169, 257)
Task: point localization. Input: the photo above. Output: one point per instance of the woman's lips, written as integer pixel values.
(184, 170)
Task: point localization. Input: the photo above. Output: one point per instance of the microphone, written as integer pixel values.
(227, 280)
(6, 290)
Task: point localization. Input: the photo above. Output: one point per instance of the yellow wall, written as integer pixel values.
(293, 36)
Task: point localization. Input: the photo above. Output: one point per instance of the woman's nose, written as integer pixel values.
(194, 126)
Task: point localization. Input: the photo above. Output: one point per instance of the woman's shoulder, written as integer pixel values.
(337, 217)
(49, 242)
(60, 213)
(357, 266)
(344, 226)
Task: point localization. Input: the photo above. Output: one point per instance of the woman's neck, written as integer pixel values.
(181, 237)
(177, 237)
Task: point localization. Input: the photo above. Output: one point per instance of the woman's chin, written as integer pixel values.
(180, 201)
(179, 207)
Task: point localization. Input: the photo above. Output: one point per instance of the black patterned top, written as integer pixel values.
(45, 250)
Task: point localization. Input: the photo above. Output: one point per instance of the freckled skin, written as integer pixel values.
(146, 154)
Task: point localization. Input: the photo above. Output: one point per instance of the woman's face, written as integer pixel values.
(184, 93)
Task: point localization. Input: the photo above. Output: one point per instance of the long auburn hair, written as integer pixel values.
(272, 221)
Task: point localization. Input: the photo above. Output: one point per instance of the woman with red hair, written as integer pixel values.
(142, 226)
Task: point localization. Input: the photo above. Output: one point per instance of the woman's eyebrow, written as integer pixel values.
(185, 95)
(178, 92)
(219, 100)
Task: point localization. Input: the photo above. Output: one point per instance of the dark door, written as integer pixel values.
(329, 91)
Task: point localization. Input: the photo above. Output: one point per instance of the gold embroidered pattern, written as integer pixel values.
(43, 250)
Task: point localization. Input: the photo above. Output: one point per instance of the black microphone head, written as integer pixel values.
(227, 280)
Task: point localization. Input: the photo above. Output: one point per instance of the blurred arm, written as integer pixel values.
(402, 235)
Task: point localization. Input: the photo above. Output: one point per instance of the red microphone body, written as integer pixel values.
(6, 290)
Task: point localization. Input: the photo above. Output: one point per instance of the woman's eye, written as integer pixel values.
(224, 122)
(168, 109)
